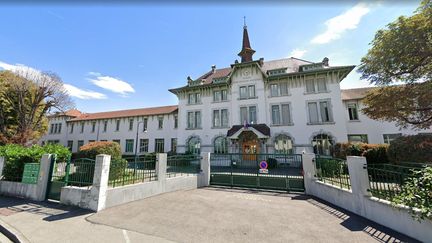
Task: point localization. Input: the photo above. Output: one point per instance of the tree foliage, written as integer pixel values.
(27, 97)
(402, 53)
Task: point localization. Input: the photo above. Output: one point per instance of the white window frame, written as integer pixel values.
(220, 125)
(281, 118)
(248, 114)
(320, 120)
(248, 95)
(315, 81)
(194, 124)
(356, 110)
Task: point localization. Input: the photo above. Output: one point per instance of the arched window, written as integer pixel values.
(194, 145)
(323, 144)
(221, 145)
(283, 144)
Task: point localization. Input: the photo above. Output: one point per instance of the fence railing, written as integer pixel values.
(386, 180)
(78, 172)
(333, 171)
(132, 170)
(180, 165)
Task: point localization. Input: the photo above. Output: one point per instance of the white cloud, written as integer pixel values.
(113, 84)
(83, 94)
(336, 26)
(19, 68)
(297, 53)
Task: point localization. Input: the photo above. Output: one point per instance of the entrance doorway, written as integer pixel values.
(250, 150)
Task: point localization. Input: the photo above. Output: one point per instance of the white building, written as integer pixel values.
(254, 106)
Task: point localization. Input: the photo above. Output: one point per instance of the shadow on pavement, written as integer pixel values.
(53, 211)
(351, 221)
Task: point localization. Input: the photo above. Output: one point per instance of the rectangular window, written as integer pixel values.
(194, 98)
(71, 128)
(175, 121)
(70, 145)
(174, 145)
(145, 124)
(319, 112)
(52, 128)
(80, 144)
(82, 127)
(357, 138)
(103, 140)
(160, 122)
(198, 119)
(224, 118)
(286, 115)
(243, 115)
(55, 128)
(274, 90)
(116, 141)
(352, 112)
(105, 126)
(224, 95)
(194, 119)
(93, 127)
(144, 143)
(275, 115)
(388, 138)
(283, 88)
(252, 115)
(131, 123)
(190, 120)
(129, 146)
(91, 141)
(310, 86)
(216, 118)
(243, 92)
(191, 99)
(321, 85)
(216, 96)
(59, 128)
(251, 89)
(159, 145)
(198, 98)
(117, 125)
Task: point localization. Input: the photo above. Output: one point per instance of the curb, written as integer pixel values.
(11, 233)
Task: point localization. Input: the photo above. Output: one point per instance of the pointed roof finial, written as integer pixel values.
(246, 51)
(244, 22)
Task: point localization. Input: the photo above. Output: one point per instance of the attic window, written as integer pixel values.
(311, 67)
(219, 80)
(276, 71)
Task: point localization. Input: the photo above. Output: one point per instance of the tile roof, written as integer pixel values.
(262, 128)
(73, 113)
(355, 94)
(127, 113)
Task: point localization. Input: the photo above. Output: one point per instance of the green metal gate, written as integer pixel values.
(284, 171)
(58, 177)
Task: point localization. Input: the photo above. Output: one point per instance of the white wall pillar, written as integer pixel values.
(2, 164)
(205, 170)
(161, 166)
(100, 182)
(308, 160)
(44, 174)
(357, 167)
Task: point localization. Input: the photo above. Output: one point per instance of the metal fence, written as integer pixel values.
(386, 180)
(78, 172)
(333, 171)
(183, 164)
(132, 170)
(284, 171)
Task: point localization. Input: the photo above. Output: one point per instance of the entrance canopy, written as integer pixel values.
(261, 130)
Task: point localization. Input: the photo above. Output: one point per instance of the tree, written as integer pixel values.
(401, 54)
(27, 97)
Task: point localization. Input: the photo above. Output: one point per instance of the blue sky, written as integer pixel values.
(128, 56)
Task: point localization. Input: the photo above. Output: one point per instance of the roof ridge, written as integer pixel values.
(135, 109)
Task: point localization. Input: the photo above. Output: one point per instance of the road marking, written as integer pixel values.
(126, 237)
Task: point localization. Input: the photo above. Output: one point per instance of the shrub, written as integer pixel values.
(17, 155)
(91, 150)
(415, 148)
(416, 194)
(374, 153)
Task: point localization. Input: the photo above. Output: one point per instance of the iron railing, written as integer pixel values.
(386, 180)
(132, 170)
(333, 171)
(183, 164)
(78, 172)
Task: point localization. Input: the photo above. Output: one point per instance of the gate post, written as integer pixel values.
(44, 177)
(161, 166)
(99, 188)
(308, 160)
(2, 163)
(205, 170)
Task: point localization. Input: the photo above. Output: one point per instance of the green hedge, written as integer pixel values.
(415, 148)
(18, 155)
(374, 153)
(91, 150)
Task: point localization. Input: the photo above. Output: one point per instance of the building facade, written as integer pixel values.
(253, 106)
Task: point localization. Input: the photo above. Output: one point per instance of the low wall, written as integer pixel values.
(76, 196)
(359, 201)
(18, 189)
(125, 194)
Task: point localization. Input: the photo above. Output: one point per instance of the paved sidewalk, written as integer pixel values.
(201, 215)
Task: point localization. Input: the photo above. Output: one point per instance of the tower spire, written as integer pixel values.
(247, 52)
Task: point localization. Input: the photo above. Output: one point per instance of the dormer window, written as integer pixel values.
(276, 71)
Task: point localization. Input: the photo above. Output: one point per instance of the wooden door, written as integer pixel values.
(250, 149)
